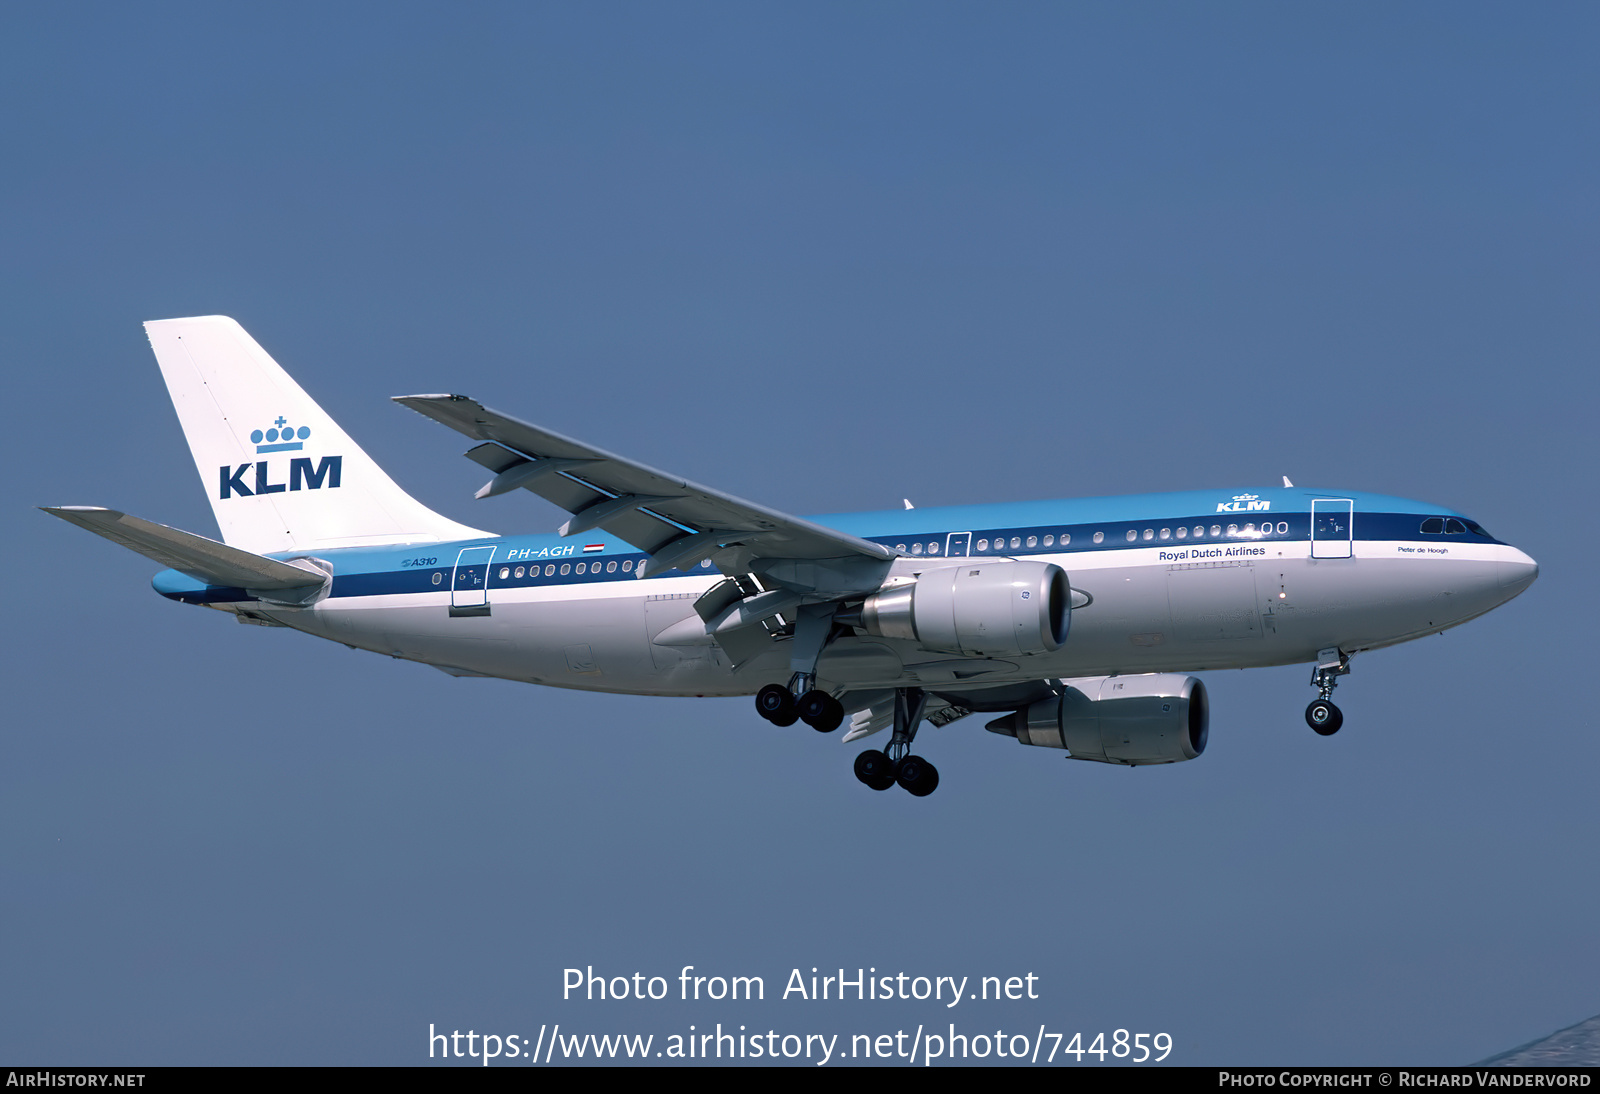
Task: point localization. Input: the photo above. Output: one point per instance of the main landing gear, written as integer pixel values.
(881, 770)
(801, 700)
(817, 709)
(1322, 716)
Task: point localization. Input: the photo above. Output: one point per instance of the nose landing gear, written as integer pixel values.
(1322, 716)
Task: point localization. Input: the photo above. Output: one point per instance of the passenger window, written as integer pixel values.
(1233, 529)
(983, 545)
(1132, 535)
(549, 571)
(628, 565)
(505, 572)
(611, 567)
(1216, 529)
(1065, 539)
(1166, 533)
(916, 548)
(583, 567)
(1049, 541)
(933, 548)
(1283, 528)
(566, 568)
(1099, 537)
(1016, 541)
(1033, 541)
(1433, 526)
(519, 571)
(1183, 533)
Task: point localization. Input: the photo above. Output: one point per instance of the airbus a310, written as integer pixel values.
(1076, 622)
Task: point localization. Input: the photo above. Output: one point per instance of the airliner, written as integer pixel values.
(1076, 624)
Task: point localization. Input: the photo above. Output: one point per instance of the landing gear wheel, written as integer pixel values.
(776, 705)
(874, 769)
(917, 775)
(819, 710)
(1324, 717)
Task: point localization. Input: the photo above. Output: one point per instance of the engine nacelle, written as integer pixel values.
(1154, 718)
(979, 608)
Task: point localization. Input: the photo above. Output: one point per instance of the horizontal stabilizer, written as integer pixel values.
(202, 559)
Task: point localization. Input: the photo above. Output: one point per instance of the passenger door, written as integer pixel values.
(1332, 528)
(469, 583)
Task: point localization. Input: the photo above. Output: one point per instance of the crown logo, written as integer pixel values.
(1246, 497)
(282, 437)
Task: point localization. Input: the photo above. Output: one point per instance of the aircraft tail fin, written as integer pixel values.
(280, 473)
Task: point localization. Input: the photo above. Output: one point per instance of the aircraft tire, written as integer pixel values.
(821, 711)
(874, 769)
(776, 705)
(917, 776)
(1324, 717)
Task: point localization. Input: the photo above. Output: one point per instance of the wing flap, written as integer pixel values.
(201, 558)
(873, 712)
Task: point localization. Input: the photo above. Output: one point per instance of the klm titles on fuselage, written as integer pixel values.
(302, 476)
(1244, 503)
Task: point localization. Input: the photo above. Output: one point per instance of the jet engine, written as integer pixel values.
(1154, 718)
(981, 609)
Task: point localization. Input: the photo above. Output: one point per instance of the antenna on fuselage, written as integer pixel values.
(1286, 481)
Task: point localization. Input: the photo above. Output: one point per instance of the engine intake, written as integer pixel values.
(981, 609)
(1155, 718)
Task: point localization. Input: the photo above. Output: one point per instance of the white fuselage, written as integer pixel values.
(1143, 608)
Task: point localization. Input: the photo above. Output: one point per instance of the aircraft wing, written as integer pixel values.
(677, 522)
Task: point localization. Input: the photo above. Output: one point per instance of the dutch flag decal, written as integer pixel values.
(588, 547)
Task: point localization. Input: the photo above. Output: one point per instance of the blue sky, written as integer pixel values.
(824, 257)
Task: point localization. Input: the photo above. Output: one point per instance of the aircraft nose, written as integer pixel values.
(1516, 571)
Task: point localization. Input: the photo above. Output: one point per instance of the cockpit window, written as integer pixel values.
(1433, 526)
(1453, 527)
(1476, 529)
